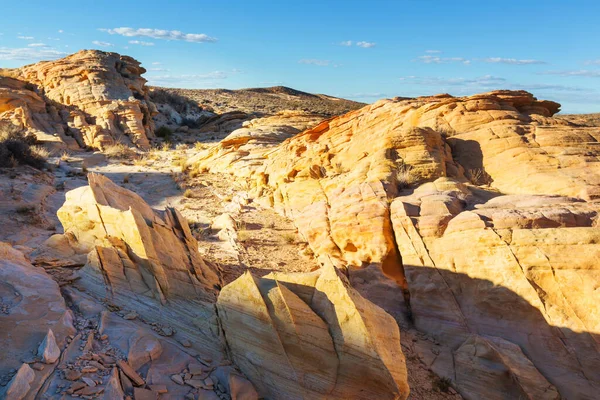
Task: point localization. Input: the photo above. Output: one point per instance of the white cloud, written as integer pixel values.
(60, 31)
(37, 45)
(30, 53)
(511, 61)
(365, 45)
(582, 73)
(592, 62)
(141, 43)
(156, 63)
(313, 61)
(161, 34)
(158, 69)
(25, 37)
(102, 44)
(442, 60)
(432, 51)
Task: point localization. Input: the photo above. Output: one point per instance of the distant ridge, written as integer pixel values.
(267, 100)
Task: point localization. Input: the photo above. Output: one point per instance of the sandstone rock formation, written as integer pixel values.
(31, 304)
(248, 145)
(483, 212)
(312, 336)
(133, 249)
(94, 97)
(141, 258)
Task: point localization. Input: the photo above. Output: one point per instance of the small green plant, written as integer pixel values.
(442, 384)
(289, 238)
(26, 210)
(163, 132)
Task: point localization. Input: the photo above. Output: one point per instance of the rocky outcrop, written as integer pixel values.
(324, 340)
(133, 249)
(140, 258)
(94, 97)
(483, 212)
(32, 312)
(247, 146)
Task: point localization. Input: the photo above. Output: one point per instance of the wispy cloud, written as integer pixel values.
(511, 61)
(314, 61)
(363, 44)
(37, 45)
(60, 31)
(102, 44)
(158, 69)
(486, 83)
(180, 79)
(161, 34)
(376, 95)
(141, 43)
(429, 59)
(25, 37)
(30, 53)
(432, 51)
(582, 73)
(156, 63)
(592, 62)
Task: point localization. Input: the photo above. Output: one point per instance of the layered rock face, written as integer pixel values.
(140, 258)
(133, 249)
(311, 336)
(482, 209)
(96, 98)
(34, 325)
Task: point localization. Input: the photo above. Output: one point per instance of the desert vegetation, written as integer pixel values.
(18, 148)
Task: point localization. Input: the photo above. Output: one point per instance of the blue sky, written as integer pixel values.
(354, 49)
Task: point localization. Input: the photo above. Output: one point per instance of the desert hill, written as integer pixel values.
(270, 100)
(435, 247)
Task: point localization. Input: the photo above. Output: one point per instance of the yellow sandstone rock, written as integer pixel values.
(312, 336)
(94, 97)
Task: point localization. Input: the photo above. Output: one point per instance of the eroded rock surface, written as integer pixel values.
(90, 98)
(31, 303)
(312, 336)
(483, 212)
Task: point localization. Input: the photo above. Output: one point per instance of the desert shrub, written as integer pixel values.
(188, 193)
(119, 150)
(442, 384)
(405, 176)
(163, 132)
(16, 148)
(479, 177)
(289, 238)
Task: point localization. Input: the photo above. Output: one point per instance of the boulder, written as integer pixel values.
(325, 339)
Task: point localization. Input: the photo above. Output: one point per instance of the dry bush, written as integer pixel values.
(405, 176)
(188, 194)
(181, 147)
(119, 151)
(289, 238)
(40, 151)
(479, 177)
(16, 148)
